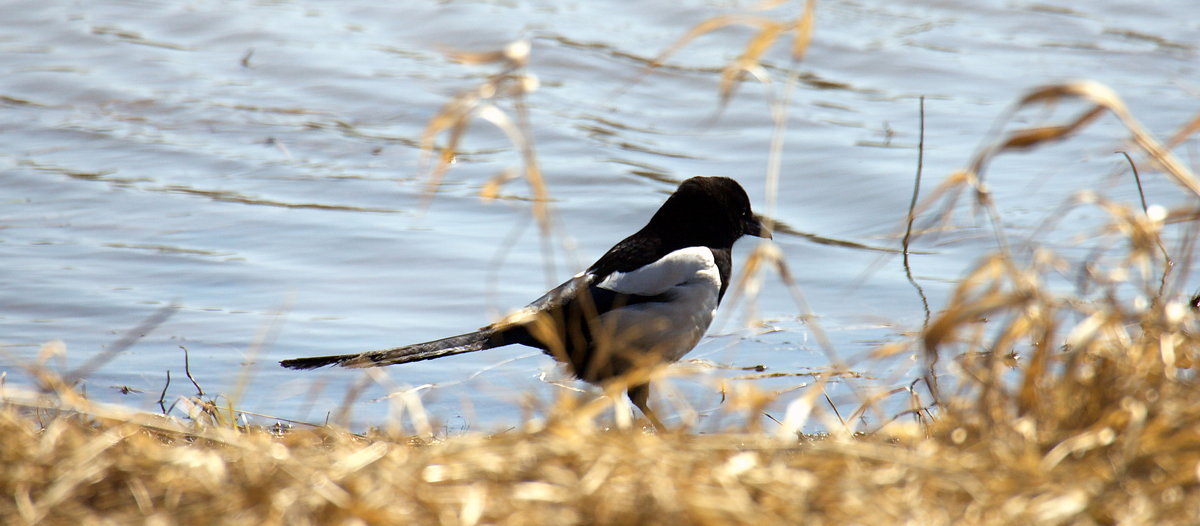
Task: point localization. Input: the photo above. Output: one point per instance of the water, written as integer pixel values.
(256, 163)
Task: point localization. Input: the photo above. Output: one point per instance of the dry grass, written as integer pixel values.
(1095, 421)
(1103, 430)
(1059, 407)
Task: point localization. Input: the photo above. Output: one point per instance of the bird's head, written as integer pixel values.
(711, 211)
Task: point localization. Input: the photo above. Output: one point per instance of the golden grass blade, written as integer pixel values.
(49, 350)
(708, 26)
(749, 62)
(491, 189)
(873, 401)
(889, 350)
(1186, 131)
(969, 305)
(1028, 138)
(515, 55)
(750, 59)
(799, 411)
(1094, 91)
(804, 30)
(1102, 97)
(450, 115)
(1041, 323)
(455, 116)
(501, 120)
(766, 5)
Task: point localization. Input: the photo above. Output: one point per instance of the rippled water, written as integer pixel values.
(256, 162)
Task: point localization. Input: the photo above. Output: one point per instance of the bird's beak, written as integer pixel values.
(754, 227)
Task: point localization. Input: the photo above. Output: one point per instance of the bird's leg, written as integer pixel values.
(640, 396)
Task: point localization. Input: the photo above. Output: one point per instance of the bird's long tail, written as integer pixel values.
(463, 343)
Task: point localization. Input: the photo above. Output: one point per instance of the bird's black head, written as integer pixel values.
(708, 211)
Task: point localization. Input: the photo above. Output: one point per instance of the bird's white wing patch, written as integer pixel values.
(668, 329)
(692, 265)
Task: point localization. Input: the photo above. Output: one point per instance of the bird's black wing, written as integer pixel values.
(570, 309)
(632, 253)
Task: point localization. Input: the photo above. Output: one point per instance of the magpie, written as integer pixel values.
(648, 300)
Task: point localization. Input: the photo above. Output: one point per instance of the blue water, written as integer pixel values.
(257, 164)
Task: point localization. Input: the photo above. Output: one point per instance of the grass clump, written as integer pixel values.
(1065, 409)
(1053, 406)
(1102, 432)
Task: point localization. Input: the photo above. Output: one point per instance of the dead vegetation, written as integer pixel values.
(1099, 424)
(1054, 406)
(1059, 407)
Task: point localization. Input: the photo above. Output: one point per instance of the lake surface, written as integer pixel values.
(257, 163)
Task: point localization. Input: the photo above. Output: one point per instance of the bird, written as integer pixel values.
(648, 300)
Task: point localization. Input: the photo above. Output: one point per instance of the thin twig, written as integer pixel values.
(163, 395)
(1137, 178)
(187, 368)
(912, 205)
(1168, 263)
(835, 409)
(912, 213)
(773, 419)
(932, 358)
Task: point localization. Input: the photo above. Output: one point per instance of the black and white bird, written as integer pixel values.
(648, 300)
